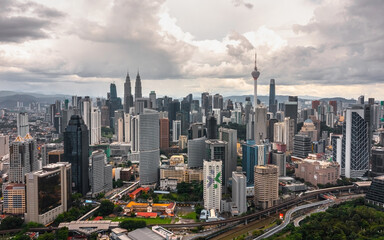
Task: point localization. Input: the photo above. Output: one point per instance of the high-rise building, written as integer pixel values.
(375, 194)
(260, 124)
(279, 159)
(315, 105)
(355, 143)
(334, 105)
(4, 145)
(176, 132)
(212, 175)
(336, 142)
(19, 162)
(138, 93)
(197, 130)
(95, 126)
(196, 152)
(145, 143)
(76, 150)
(218, 150)
(239, 197)
(266, 186)
(164, 134)
(309, 129)
(302, 146)
(48, 193)
(127, 127)
(253, 155)
(218, 101)
(14, 198)
(211, 127)
(114, 103)
(105, 116)
(152, 98)
(229, 136)
(360, 100)
(22, 124)
(290, 110)
(270, 128)
(173, 109)
(378, 161)
(99, 170)
(128, 98)
(32, 147)
(272, 97)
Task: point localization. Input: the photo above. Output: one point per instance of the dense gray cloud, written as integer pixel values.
(342, 43)
(24, 21)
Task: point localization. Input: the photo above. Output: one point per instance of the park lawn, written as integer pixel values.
(191, 215)
(149, 221)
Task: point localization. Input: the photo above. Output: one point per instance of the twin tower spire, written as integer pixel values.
(128, 98)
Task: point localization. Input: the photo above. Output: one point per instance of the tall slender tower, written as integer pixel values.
(138, 86)
(128, 98)
(255, 75)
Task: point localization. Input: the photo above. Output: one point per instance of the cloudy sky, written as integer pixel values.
(311, 47)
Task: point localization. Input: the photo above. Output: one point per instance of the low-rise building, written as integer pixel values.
(168, 184)
(318, 172)
(14, 198)
(375, 194)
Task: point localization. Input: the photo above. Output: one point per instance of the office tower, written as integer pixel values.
(279, 159)
(315, 104)
(302, 146)
(197, 130)
(128, 98)
(4, 145)
(205, 102)
(266, 186)
(334, 105)
(152, 99)
(176, 132)
(211, 127)
(114, 103)
(330, 117)
(14, 198)
(212, 175)
(378, 161)
(32, 147)
(22, 124)
(76, 150)
(105, 116)
(55, 156)
(260, 124)
(173, 109)
(185, 109)
(48, 193)
(253, 155)
(355, 144)
(336, 142)
(195, 105)
(196, 152)
(289, 132)
(86, 111)
(99, 171)
(290, 110)
(145, 143)
(309, 130)
(57, 123)
(65, 117)
(272, 97)
(74, 101)
(216, 149)
(270, 128)
(19, 160)
(46, 148)
(375, 194)
(228, 105)
(164, 134)
(95, 127)
(278, 132)
(127, 127)
(239, 197)
(229, 136)
(138, 93)
(218, 101)
(360, 100)
(119, 125)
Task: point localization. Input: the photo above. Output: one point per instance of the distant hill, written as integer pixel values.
(9, 99)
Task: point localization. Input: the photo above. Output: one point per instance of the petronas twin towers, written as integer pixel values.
(128, 97)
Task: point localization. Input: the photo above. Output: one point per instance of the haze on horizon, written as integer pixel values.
(318, 48)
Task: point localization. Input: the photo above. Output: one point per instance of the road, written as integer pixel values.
(288, 216)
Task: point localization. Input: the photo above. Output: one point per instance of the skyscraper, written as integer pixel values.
(230, 136)
(253, 155)
(95, 126)
(211, 127)
(76, 150)
(302, 146)
(114, 103)
(173, 109)
(145, 143)
(218, 150)
(4, 145)
(20, 160)
(290, 110)
(128, 98)
(176, 132)
(164, 134)
(48, 192)
(272, 97)
(99, 171)
(212, 184)
(22, 124)
(266, 186)
(239, 184)
(152, 98)
(355, 143)
(138, 93)
(196, 152)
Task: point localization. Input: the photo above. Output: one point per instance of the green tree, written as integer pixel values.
(22, 237)
(132, 224)
(46, 236)
(11, 222)
(62, 233)
(106, 208)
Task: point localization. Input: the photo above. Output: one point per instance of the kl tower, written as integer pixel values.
(255, 75)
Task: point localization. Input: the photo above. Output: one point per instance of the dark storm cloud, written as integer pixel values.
(24, 21)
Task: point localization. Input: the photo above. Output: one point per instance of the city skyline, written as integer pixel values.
(296, 44)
